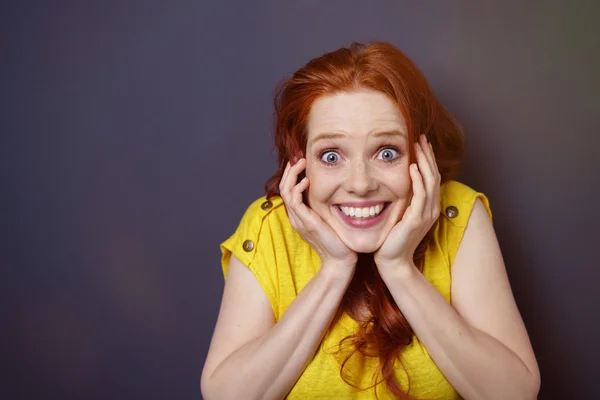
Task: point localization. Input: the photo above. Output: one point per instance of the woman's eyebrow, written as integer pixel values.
(392, 133)
(338, 135)
(328, 135)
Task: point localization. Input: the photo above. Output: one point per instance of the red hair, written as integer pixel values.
(381, 67)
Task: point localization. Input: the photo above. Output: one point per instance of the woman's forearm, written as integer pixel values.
(268, 366)
(477, 365)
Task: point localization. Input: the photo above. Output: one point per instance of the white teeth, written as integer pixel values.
(365, 212)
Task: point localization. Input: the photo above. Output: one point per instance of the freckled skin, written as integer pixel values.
(363, 166)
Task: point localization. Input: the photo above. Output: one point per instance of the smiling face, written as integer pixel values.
(357, 166)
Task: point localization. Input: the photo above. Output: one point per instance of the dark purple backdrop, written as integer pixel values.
(135, 133)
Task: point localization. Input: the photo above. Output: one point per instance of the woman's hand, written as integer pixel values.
(321, 237)
(398, 249)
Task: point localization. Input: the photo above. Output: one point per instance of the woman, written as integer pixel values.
(367, 270)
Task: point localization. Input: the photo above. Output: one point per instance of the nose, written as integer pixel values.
(360, 179)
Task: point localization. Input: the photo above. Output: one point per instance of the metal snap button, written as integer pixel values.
(248, 245)
(451, 212)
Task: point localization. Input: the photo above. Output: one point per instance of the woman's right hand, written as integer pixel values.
(309, 224)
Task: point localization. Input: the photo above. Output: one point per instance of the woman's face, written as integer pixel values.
(357, 166)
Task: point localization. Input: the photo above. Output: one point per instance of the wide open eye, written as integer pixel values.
(330, 157)
(388, 154)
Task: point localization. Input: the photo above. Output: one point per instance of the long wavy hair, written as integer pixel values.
(381, 67)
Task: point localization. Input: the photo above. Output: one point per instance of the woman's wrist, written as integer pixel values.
(337, 271)
(399, 271)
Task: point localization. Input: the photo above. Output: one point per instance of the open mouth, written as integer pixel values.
(362, 217)
(363, 212)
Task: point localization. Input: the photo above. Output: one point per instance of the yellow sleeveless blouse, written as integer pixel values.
(283, 263)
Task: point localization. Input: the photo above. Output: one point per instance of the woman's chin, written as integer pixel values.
(362, 244)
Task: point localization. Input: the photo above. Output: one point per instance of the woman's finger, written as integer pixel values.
(428, 150)
(424, 162)
(425, 173)
(290, 179)
(419, 197)
(435, 209)
(301, 211)
(296, 192)
(292, 193)
(284, 175)
(434, 166)
(437, 179)
(431, 176)
(283, 185)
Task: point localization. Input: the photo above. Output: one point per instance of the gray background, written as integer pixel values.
(135, 133)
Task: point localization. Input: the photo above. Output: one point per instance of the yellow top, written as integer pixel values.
(284, 263)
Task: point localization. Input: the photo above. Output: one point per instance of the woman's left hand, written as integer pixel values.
(398, 249)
